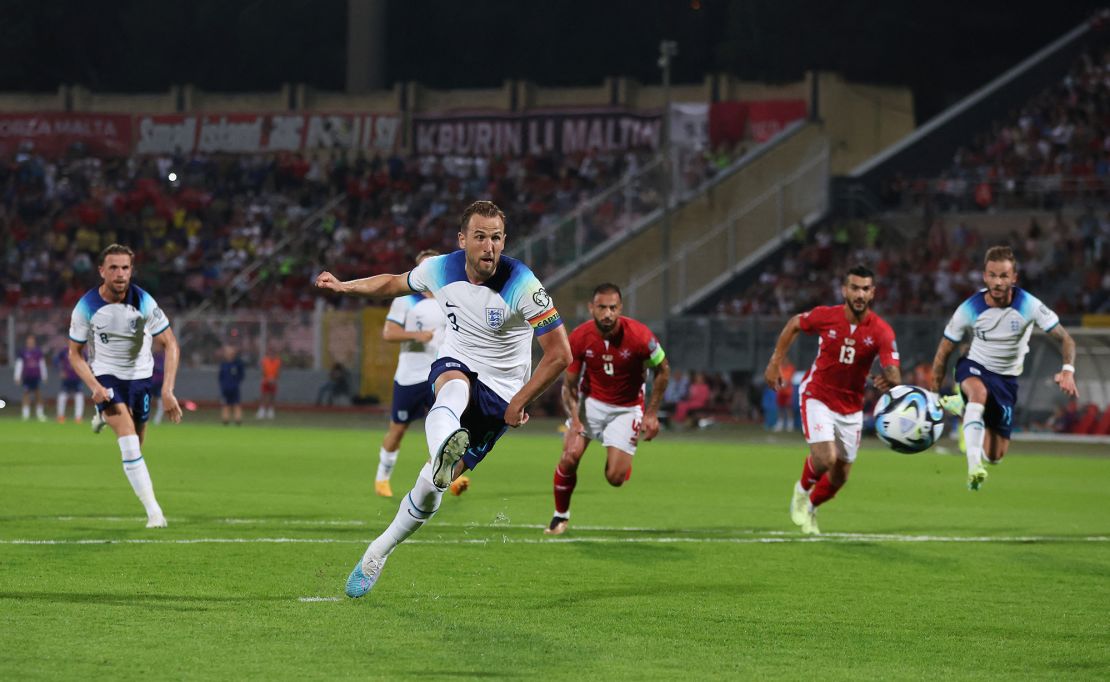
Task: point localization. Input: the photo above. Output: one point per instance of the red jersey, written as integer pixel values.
(838, 375)
(614, 367)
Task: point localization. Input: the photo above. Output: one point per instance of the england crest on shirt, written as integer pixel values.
(495, 317)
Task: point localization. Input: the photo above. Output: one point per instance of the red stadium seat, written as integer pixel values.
(1087, 422)
(1102, 428)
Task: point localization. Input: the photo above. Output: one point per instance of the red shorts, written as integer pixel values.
(269, 387)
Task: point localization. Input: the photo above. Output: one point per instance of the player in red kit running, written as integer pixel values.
(613, 352)
(851, 336)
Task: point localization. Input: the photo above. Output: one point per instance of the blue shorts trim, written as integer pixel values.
(410, 402)
(998, 415)
(484, 416)
(132, 393)
(32, 384)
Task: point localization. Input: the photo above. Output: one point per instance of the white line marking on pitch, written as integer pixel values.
(504, 539)
(316, 599)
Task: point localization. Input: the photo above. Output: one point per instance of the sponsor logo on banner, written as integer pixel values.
(52, 134)
(253, 133)
(515, 134)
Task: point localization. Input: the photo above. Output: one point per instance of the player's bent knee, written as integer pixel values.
(616, 478)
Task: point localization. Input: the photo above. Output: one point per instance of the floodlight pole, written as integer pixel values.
(667, 50)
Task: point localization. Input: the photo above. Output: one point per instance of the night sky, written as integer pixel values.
(941, 49)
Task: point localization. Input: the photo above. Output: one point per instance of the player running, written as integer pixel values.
(1000, 319)
(494, 306)
(612, 351)
(416, 322)
(120, 321)
(850, 338)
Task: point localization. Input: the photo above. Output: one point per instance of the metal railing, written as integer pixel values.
(748, 234)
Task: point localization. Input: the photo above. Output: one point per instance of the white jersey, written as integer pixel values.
(489, 325)
(120, 333)
(1000, 336)
(417, 313)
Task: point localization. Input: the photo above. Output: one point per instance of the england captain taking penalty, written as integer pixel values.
(120, 321)
(1000, 319)
(494, 306)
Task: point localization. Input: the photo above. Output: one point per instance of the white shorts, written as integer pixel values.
(822, 425)
(615, 426)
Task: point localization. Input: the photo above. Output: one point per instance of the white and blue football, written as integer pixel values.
(909, 419)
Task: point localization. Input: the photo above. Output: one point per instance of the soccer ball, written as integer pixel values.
(909, 419)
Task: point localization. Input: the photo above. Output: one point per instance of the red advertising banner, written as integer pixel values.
(256, 133)
(768, 118)
(536, 133)
(727, 123)
(52, 134)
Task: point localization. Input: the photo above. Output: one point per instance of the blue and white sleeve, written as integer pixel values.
(957, 326)
(80, 322)
(156, 320)
(398, 310)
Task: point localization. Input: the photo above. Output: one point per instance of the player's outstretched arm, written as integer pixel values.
(1065, 378)
(661, 376)
(772, 375)
(169, 382)
(378, 286)
(556, 358)
(940, 363)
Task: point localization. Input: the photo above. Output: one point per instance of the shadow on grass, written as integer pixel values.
(172, 602)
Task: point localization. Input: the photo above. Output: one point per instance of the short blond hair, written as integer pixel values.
(997, 254)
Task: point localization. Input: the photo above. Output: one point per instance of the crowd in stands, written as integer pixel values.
(931, 274)
(1053, 151)
(197, 221)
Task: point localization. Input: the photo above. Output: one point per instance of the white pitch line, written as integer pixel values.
(316, 599)
(834, 538)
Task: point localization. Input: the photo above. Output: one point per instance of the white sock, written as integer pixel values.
(135, 468)
(26, 411)
(79, 406)
(419, 505)
(973, 435)
(443, 418)
(386, 461)
(39, 411)
(62, 404)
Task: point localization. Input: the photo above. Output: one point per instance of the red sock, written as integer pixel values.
(628, 476)
(823, 491)
(809, 476)
(564, 488)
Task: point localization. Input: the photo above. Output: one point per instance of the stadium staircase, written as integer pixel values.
(668, 260)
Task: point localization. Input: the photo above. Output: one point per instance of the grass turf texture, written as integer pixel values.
(691, 571)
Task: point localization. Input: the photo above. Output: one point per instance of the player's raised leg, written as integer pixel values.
(447, 440)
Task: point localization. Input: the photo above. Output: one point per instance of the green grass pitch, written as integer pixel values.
(691, 571)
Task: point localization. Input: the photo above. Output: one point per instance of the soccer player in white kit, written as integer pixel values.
(416, 322)
(494, 307)
(1000, 319)
(119, 321)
